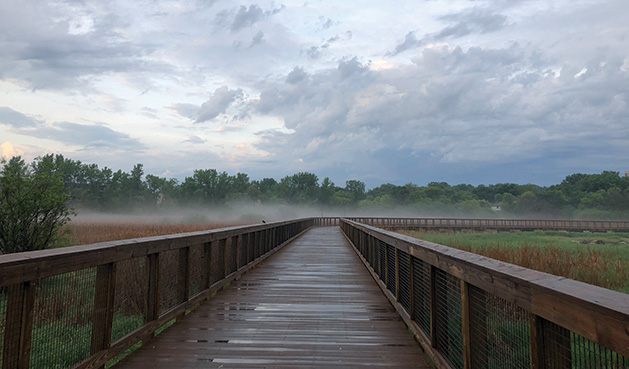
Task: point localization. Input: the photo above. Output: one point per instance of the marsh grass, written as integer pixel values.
(601, 259)
(82, 233)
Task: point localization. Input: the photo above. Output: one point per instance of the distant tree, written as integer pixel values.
(356, 188)
(33, 206)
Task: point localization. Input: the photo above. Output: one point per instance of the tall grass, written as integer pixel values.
(81, 233)
(601, 259)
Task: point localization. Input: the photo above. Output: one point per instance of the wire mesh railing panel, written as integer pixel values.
(421, 294)
(589, 355)
(383, 260)
(217, 261)
(449, 333)
(62, 319)
(500, 333)
(131, 295)
(230, 255)
(168, 280)
(391, 268)
(405, 280)
(563, 349)
(199, 269)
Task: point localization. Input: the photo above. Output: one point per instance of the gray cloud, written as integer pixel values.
(16, 119)
(450, 106)
(221, 99)
(243, 17)
(257, 39)
(470, 21)
(52, 51)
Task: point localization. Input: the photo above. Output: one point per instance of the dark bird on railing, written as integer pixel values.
(263, 221)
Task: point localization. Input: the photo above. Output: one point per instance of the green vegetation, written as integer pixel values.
(583, 196)
(33, 206)
(601, 259)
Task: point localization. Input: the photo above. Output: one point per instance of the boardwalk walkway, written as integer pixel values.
(311, 305)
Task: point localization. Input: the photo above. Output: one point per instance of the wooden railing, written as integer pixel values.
(499, 224)
(469, 311)
(83, 306)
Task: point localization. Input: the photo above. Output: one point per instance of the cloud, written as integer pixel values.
(16, 119)
(221, 99)
(7, 150)
(257, 39)
(86, 136)
(450, 105)
(193, 139)
(244, 17)
(190, 111)
(410, 42)
(469, 21)
(64, 47)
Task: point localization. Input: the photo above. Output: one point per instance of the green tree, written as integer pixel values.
(356, 188)
(33, 207)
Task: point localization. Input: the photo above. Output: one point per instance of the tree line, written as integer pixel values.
(591, 196)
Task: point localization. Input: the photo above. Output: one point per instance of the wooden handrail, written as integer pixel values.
(21, 273)
(499, 224)
(597, 314)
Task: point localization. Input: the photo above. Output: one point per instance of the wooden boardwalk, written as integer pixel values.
(311, 305)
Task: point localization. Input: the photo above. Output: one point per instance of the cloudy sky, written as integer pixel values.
(419, 91)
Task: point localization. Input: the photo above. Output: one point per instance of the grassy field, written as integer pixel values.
(82, 233)
(601, 259)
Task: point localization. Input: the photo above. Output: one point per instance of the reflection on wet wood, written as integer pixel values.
(310, 305)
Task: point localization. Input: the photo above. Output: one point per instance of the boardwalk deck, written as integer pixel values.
(311, 305)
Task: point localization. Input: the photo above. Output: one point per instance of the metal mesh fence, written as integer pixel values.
(564, 349)
(391, 268)
(449, 334)
(405, 280)
(199, 268)
(168, 280)
(421, 295)
(62, 319)
(131, 296)
(589, 355)
(383, 260)
(499, 331)
(217, 261)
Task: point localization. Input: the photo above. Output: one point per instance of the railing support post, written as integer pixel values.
(19, 326)
(465, 318)
(537, 342)
(152, 306)
(433, 306)
(103, 307)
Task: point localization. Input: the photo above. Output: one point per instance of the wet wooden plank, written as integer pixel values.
(311, 305)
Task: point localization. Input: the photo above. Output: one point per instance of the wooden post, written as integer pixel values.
(537, 342)
(152, 305)
(207, 247)
(465, 317)
(239, 250)
(16, 352)
(183, 275)
(105, 288)
(433, 306)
